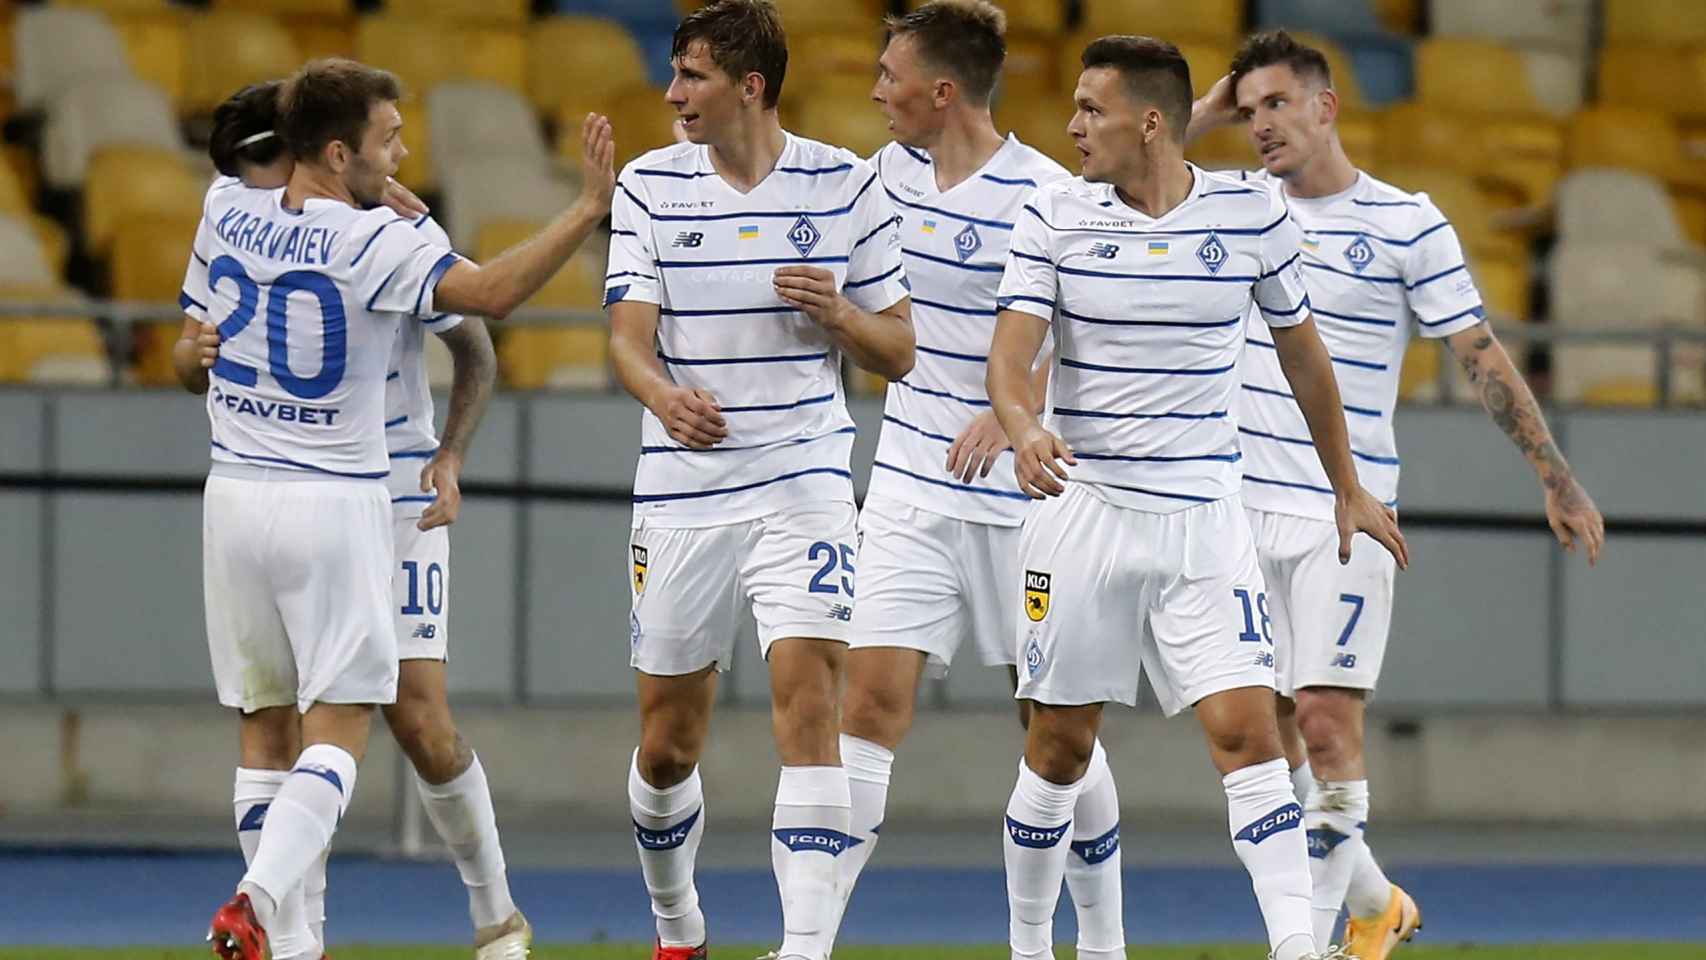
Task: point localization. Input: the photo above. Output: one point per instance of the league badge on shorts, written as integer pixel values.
(639, 568)
(1036, 595)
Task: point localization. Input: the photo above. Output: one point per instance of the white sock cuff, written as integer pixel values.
(1052, 801)
(252, 776)
(1098, 768)
(865, 761)
(667, 802)
(1303, 782)
(333, 764)
(1342, 797)
(473, 777)
(813, 787)
(1257, 779)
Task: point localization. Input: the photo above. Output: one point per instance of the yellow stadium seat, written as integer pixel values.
(1477, 75)
(1690, 210)
(571, 357)
(114, 8)
(578, 286)
(1659, 22)
(416, 170)
(1225, 148)
(1521, 154)
(842, 118)
(1031, 66)
(645, 122)
(837, 59)
(51, 350)
(319, 37)
(148, 257)
(1360, 134)
(1400, 16)
(1463, 203)
(14, 194)
(581, 59)
(1208, 58)
(20, 164)
(230, 50)
(1621, 392)
(1669, 79)
(511, 12)
(155, 44)
(817, 16)
(1211, 19)
(424, 54)
(126, 182)
(1041, 124)
(1418, 376)
(1025, 16)
(1504, 285)
(294, 8)
(54, 241)
(1644, 140)
(151, 353)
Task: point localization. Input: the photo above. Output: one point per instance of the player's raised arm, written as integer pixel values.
(498, 287)
(474, 371)
(1215, 109)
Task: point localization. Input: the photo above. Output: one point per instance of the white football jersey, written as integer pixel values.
(410, 439)
(954, 245)
(1379, 263)
(1149, 324)
(706, 254)
(307, 304)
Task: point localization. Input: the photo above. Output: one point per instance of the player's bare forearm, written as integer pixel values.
(1214, 109)
(187, 358)
(1039, 381)
(881, 342)
(474, 365)
(1508, 400)
(1010, 377)
(1309, 369)
(496, 288)
(634, 352)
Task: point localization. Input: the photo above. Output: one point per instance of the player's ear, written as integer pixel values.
(752, 88)
(1329, 100)
(944, 92)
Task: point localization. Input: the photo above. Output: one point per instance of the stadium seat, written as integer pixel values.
(113, 8)
(1657, 22)
(841, 116)
(555, 358)
(647, 122)
(65, 350)
(1205, 19)
(1047, 17)
(1667, 79)
(1505, 284)
(1616, 286)
(149, 257)
(1339, 63)
(424, 54)
(1227, 148)
(1550, 24)
(319, 37)
(417, 170)
(1606, 205)
(293, 8)
(481, 119)
(21, 262)
(478, 190)
(511, 12)
(1690, 209)
(1403, 17)
(816, 16)
(156, 44)
(1030, 69)
(1476, 75)
(126, 183)
(1644, 140)
(1418, 375)
(581, 60)
(1522, 154)
(1338, 17)
(230, 50)
(1040, 123)
(578, 286)
(1463, 203)
(103, 112)
(14, 193)
(57, 48)
(54, 241)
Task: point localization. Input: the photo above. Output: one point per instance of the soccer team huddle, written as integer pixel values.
(1138, 423)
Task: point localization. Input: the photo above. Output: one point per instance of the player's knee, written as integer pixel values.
(1057, 749)
(1246, 744)
(876, 714)
(427, 737)
(664, 761)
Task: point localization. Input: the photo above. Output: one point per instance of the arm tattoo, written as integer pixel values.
(475, 366)
(1510, 403)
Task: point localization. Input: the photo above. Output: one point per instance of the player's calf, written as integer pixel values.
(1330, 720)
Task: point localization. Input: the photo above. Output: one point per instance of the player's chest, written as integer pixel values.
(1189, 275)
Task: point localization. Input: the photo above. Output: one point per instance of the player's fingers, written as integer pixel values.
(1561, 530)
(953, 461)
(1345, 536)
(1403, 545)
(989, 457)
(1064, 452)
(1595, 539)
(427, 479)
(704, 408)
(688, 436)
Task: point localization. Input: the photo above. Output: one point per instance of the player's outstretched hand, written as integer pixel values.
(441, 475)
(1036, 464)
(1574, 518)
(813, 291)
(598, 158)
(974, 451)
(1362, 512)
(403, 201)
(693, 418)
(207, 346)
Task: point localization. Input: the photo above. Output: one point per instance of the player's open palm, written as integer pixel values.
(1574, 518)
(1037, 463)
(598, 159)
(207, 346)
(1365, 514)
(975, 450)
(693, 418)
(442, 476)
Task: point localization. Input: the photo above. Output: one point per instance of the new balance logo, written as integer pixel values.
(1345, 660)
(803, 839)
(668, 838)
(1288, 817)
(1264, 659)
(688, 239)
(842, 612)
(1106, 251)
(1095, 851)
(425, 631)
(1036, 838)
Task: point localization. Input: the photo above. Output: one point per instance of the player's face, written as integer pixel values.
(905, 92)
(1287, 117)
(1107, 127)
(371, 167)
(706, 99)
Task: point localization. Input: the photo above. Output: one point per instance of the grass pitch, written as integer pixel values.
(1609, 951)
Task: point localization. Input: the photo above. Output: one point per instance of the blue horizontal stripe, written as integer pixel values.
(764, 214)
(623, 233)
(1009, 181)
(1207, 278)
(438, 319)
(416, 498)
(1279, 269)
(1196, 325)
(381, 288)
(892, 221)
(369, 244)
(979, 267)
(723, 491)
(1218, 193)
(627, 273)
(1267, 391)
(855, 284)
(1299, 486)
(950, 308)
(1365, 364)
(1022, 255)
(803, 171)
(1477, 311)
(1388, 240)
(1372, 321)
(430, 282)
(1106, 415)
(1156, 493)
(961, 487)
(1186, 372)
(412, 454)
(644, 450)
(1431, 279)
(762, 407)
(672, 312)
(1386, 203)
(185, 300)
(1007, 302)
(1294, 311)
(397, 422)
(968, 401)
(691, 264)
(915, 154)
(917, 429)
(1203, 231)
(1233, 457)
(964, 218)
(199, 258)
(300, 466)
(968, 357)
(393, 375)
(1354, 276)
(734, 361)
(1306, 442)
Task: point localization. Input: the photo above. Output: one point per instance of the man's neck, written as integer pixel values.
(1167, 184)
(966, 144)
(1328, 173)
(751, 152)
(309, 183)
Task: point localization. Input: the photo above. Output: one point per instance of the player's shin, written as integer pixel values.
(1035, 848)
(868, 766)
(289, 933)
(314, 897)
(668, 825)
(809, 833)
(1334, 818)
(1267, 835)
(461, 811)
(1093, 867)
(298, 827)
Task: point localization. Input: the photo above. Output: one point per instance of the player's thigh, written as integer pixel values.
(796, 568)
(1077, 629)
(989, 567)
(331, 557)
(1342, 616)
(253, 665)
(1282, 544)
(420, 589)
(907, 583)
(1210, 628)
(684, 586)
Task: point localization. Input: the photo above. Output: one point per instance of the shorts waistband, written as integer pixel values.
(249, 471)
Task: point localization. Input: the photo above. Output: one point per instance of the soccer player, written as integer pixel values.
(940, 526)
(1140, 550)
(245, 144)
(1381, 263)
(297, 545)
(744, 263)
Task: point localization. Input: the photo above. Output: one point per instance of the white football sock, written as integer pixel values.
(868, 767)
(461, 811)
(1303, 783)
(1093, 868)
(1333, 818)
(300, 823)
(808, 834)
(314, 897)
(668, 825)
(1266, 822)
(1370, 891)
(1035, 847)
(289, 933)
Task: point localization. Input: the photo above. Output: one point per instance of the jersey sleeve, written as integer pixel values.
(195, 295)
(876, 280)
(441, 323)
(396, 269)
(1030, 282)
(632, 273)
(1279, 291)
(1437, 283)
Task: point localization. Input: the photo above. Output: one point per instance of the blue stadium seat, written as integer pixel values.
(1333, 17)
(1382, 59)
(652, 22)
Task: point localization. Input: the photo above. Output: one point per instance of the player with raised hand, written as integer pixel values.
(1140, 552)
(1382, 264)
(940, 524)
(744, 264)
(297, 539)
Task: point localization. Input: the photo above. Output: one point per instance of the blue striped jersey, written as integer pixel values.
(1148, 317)
(706, 254)
(1379, 263)
(954, 244)
(308, 304)
(409, 434)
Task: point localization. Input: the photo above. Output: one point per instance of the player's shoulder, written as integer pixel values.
(1231, 196)
(677, 162)
(1389, 204)
(429, 229)
(824, 166)
(1022, 162)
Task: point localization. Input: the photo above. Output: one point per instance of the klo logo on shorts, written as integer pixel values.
(1036, 594)
(639, 567)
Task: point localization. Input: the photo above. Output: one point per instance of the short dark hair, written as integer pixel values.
(968, 38)
(742, 37)
(330, 100)
(1276, 47)
(1154, 71)
(245, 129)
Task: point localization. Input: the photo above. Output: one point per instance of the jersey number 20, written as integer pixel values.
(317, 285)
